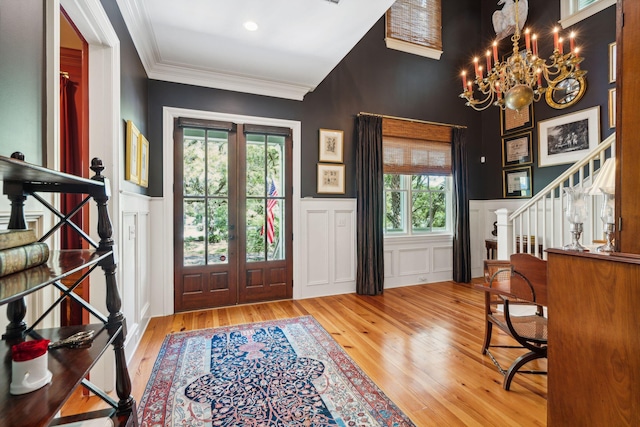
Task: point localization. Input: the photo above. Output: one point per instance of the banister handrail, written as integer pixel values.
(564, 176)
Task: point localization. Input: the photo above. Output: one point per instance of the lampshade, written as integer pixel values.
(606, 178)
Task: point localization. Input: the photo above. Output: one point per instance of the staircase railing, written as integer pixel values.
(540, 224)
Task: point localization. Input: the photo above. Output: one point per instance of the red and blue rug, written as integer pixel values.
(278, 373)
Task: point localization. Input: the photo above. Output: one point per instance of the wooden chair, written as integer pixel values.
(520, 281)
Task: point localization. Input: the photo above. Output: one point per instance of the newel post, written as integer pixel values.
(505, 231)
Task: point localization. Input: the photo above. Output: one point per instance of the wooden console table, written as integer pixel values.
(594, 339)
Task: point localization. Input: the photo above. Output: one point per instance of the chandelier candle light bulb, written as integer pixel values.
(523, 77)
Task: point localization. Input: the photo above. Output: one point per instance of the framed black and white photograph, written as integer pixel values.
(517, 182)
(516, 150)
(512, 121)
(331, 145)
(568, 138)
(330, 179)
(612, 62)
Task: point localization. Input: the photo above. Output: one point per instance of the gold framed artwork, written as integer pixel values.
(512, 121)
(331, 145)
(143, 161)
(517, 182)
(612, 62)
(612, 107)
(132, 165)
(330, 179)
(516, 150)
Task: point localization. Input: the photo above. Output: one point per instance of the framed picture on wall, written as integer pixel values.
(143, 161)
(517, 182)
(612, 62)
(512, 121)
(331, 145)
(516, 150)
(131, 153)
(568, 138)
(330, 179)
(612, 107)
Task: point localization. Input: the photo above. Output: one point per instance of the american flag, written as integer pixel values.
(271, 204)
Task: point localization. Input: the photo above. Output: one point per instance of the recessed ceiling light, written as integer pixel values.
(251, 26)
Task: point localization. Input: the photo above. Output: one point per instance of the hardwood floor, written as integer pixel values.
(420, 344)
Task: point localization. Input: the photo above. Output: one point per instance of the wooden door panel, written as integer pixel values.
(231, 246)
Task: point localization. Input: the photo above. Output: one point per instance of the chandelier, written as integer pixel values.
(518, 81)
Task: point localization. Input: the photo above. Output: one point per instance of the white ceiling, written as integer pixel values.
(204, 43)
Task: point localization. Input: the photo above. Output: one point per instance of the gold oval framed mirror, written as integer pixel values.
(566, 93)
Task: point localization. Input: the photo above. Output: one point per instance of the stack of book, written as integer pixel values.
(20, 250)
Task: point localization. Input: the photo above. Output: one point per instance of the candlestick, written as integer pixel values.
(555, 38)
(481, 75)
(560, 47)
(571, 40)
(495, 53)
(488, 60)
(527, 39)
(475, 64)
(464, 81)
(535, 44)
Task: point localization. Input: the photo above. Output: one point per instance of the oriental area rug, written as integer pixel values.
(278, 373)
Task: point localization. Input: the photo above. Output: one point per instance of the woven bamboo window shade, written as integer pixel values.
(416, 21)
(412, 148)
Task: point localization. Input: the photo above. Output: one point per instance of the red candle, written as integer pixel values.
(527, 39)
(488, 60)
(571, 40)
(495, 53)
(464, 80)
(555, 38)
(560, 47)
(475, 64)
(535, 45)
(481, 75)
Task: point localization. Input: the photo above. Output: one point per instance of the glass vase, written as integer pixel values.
(607, 215)
(576, 214)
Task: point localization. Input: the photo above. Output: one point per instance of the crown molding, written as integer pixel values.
(215, 80)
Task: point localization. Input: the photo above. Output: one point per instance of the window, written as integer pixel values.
(415, 26)
(416, 204)
(573, 11)
(417, 177)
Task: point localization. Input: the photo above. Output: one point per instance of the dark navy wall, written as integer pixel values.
(593, 36)
(371, 78)
(133, 83)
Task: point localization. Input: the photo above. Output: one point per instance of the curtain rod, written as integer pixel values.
(412, 120)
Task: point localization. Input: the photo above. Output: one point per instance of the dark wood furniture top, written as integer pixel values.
(69, 367)
(492, 248)
(594, 339)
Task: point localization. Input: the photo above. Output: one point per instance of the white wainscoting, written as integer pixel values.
(135, 267)
(327, 256)
(417, 259)
(481, 218)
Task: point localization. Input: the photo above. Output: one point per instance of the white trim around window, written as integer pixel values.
(567, 19)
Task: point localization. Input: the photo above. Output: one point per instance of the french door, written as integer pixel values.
(232, 222)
